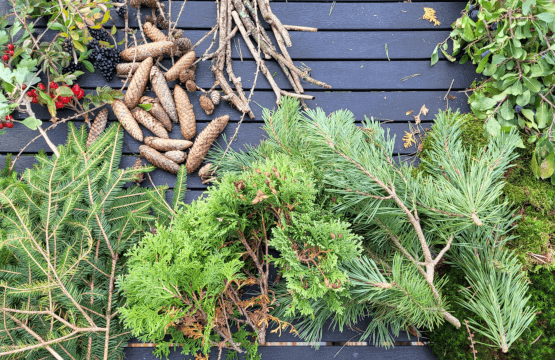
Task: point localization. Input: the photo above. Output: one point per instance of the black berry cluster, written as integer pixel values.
(122, 9)
(104, 59)
(67, 46)
(72, 67)
(99, 34)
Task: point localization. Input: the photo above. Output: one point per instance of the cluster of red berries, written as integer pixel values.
(8, 123)
(60, 101)
(8, 53)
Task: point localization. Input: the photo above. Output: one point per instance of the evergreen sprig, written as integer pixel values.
(64, 225)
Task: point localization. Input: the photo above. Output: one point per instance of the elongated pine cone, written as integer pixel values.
(136, 166)
(191, 86)
(122, 69)
(215, 96)
(158, 112)
(138, 3)
(138, 83)
(144, 51)
(181, 65)
(206, 104)
(176, 155)
(186, 114)
(184, 44)
(97, 127)
(153, 33)
(204, 142)
(158, 160)
(167, 144)
(163, 92)
(205, 173)
(188, 74)
(127, 120)
(149, 122)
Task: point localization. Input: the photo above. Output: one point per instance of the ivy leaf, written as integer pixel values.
(32, 123)
(435, 55)
(88, 65)
(547, 17)
(146, 107)
(547, 167)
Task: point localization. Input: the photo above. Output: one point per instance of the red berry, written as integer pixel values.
(10, 46)
(81, 94)
(9, 117)
(76, 88)
(9, 125)
(41, 86)
(32, 93)
(23, 87)
(53, 85)
(59, 104)
(11, 53)
(52, 96)
(5, 58)
(35, 100)
(1, 126)
(65, 99)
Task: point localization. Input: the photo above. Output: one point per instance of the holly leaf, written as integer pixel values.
(145, 107)
(32, 123)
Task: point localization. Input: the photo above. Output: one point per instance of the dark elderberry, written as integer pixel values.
(122, 9)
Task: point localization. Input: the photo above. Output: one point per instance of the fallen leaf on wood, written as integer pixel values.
(409, 112)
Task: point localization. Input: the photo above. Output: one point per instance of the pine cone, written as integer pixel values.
(206, 104)
(144, 51)
(205, 173)
(204, 142)
(185, 112)
(150, 19)
(149, 122)
(135, 3)
(153, 33)
(176, 155)
(97, 127)
(163, 23)
(184, 44)
(177, 34)
(158, 112)
(181, 65)
(136, 166)
(127, 120)
(138, 84)
(191, 86)
(167, 144)
(123, 69)
(188, 74)
(160, 87)
(158, 160)
(215, 96)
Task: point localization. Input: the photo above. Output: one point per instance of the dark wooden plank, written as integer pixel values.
(337, 45)
(340, 75)
(391, 106)
(308, 353)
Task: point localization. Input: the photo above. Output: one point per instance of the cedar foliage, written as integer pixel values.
(410, 223)
(64, 226)
(205, 278)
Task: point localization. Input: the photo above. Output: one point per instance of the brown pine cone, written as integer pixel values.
(176, 155)
(184, 44)
(150, 19)
(122, 69)
(158, 112)
(153, 33)
(215, 96)
(164, 24)
(205, 173)
(167, 144)
(127, 120)
(158, 160)
(144, 51)
(136, 166)
(181, 65)
(135, 3)
(177, 34)
(204, 142)
(149, 122)
(138, 83)
(98, 126)
(185, 112)
(206, 104)
(191, 86)
(188, 74)
(163, 92)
